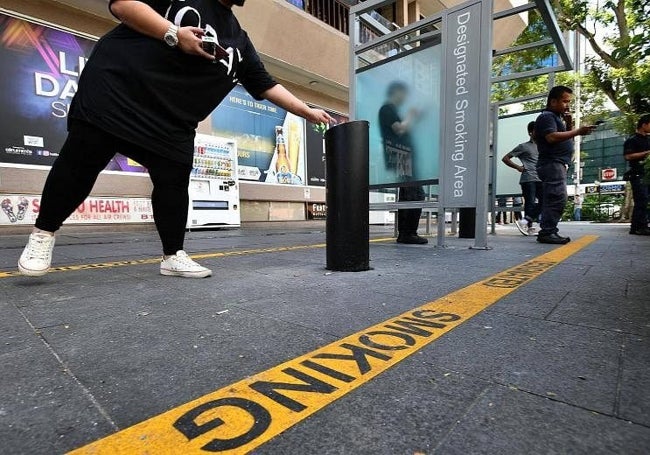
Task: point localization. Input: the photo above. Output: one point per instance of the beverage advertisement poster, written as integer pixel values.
(22, 209)
(270, 141)
(287, 167)
(314, 140)
(40, 73)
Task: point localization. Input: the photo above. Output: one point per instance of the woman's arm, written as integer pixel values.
(283, 98)
(144, 19)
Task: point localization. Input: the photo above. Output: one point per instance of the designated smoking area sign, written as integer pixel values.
(425, 90)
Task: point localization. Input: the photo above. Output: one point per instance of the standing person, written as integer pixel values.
(554, 134)
(146, 85)
(577, 207)
(398, 152)
(502, 216)
(531, 185)
(636, 149)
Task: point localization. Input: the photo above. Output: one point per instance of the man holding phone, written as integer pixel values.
(555, 134)
(636, 150)
(142, 93)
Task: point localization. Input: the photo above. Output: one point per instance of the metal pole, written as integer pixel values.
(454, 222)
(480, 239)
(354, 39)
(578, 120)
(493, 147)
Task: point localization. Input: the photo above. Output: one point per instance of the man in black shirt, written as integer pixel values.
(146, 85)
(398, 154)
(636, 149)
(554, 134)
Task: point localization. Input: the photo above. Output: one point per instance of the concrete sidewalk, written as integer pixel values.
(558, 366)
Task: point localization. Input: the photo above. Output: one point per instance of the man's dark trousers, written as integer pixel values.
(408, 220)
(532, 193)
(640, 212)
(553, 175)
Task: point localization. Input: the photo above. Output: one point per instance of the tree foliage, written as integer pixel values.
(617, 67)
(617, 33)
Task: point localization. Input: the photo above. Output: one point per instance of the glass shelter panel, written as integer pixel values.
(401, 100)
(512, 131)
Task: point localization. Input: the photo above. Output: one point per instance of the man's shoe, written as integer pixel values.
(553, 239)
(413, 239)
(37, 255)
(645, 231)
(523, 226)
(180, 264)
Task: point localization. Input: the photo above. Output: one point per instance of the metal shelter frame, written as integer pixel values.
(403, 39)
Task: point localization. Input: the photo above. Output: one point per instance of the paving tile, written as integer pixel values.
(386, 416)
(572, 364)
(141, 365)
(14, 329)
(505, 421)
(332, 309)
(42, 410)
(635, 381)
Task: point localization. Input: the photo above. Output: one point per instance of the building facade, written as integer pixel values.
(303, 43)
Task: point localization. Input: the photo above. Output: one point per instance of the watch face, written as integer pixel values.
(171, 39)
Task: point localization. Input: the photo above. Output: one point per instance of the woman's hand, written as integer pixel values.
(189, 41)
(318, 116)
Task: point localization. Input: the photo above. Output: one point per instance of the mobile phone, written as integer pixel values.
(212, 47)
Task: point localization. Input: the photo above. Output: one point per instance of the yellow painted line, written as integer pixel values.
(240, 417)
(218, 254)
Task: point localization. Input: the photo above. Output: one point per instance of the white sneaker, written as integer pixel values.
(37, 255)
(181, 264)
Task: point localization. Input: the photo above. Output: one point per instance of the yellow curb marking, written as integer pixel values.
(218, 254)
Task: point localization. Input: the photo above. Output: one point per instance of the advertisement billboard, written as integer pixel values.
(270, 141)
(41, 68)
(401, 100)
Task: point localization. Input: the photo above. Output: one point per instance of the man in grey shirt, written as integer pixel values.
(531, 185)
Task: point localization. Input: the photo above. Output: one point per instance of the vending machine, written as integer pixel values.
(214, 189)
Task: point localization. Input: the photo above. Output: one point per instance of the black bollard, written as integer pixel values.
(466, 223)
(348, 232)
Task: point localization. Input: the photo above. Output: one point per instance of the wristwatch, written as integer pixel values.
(171, 37)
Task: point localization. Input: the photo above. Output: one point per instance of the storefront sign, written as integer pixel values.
(316, 211)
(18, 209)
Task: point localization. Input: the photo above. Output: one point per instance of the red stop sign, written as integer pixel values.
(609, 174)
